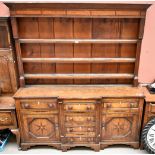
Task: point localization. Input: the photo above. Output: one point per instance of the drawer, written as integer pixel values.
(6, 119)
(80, 140)
(79, 129)
(75, 107)
(39, 104)
(79, 120)
(81, 134)
(120, 103)
(152, 107)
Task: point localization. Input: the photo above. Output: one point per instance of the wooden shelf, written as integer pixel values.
(79, 60)
(79, 76)
(76, 41)
(85, 16)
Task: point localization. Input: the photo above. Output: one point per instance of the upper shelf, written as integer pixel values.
(76, 41)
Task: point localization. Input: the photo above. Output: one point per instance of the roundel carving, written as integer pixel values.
(119, 127)
(41, 128)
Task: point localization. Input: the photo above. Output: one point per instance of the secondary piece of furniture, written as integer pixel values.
(8, 82)
(69, 116)
(8, 79)
(149, 112)
(82, 46)
(150, 106)
(8, 116)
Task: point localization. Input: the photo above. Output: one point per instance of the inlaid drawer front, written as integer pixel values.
(80, 140)
(79, 107)
(79, 119)
(152, 107)
(6, 118)
(120, 103)
(79, 129)
(39, 104)
(80, 134)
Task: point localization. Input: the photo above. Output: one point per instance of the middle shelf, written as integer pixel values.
(79, 60)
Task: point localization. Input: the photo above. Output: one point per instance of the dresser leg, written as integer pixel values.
(64, 148)
(25, 147)
(135, 146)
(96, 148)
(17, 133)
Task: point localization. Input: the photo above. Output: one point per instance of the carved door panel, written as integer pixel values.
(40, 127)
(7, 72)
(120, 127)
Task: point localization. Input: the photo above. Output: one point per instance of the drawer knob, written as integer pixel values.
(71, 139)
(89, 119)
(89, 129)
(89, 139)
(88, 107)
(26, 105)
(50, 105)
(70, 129)
(70, 118)
(132, 105)
(70, 107)
(108, 105)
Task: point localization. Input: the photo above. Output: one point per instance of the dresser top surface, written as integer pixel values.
(79, 91)
(78, 1)
(149, 97)
(7, 102)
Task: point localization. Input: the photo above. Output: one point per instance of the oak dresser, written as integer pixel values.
(78, 73)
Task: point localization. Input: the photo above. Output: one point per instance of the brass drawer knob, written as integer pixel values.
(70, 107)
(108, 105)
(70, 129)
(89, 107)
(26, 105)
(132, 105)
(70, 118)
(89, 139)
(89, 129)
(50, 105)
(89, 119)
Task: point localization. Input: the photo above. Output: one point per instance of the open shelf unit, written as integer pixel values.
(72, 46)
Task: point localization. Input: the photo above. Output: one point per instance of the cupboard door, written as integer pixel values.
(40, 128)
(120, 127)
(7, 72)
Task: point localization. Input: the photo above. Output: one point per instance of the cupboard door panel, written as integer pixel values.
(120, 127)
(40, 128)
(7, 72)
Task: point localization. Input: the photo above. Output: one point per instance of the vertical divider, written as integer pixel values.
(138, 50)
(18, 51)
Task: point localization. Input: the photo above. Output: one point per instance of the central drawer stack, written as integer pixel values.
(80, 124)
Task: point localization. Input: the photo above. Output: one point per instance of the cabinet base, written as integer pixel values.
(135, 145)
(95, 147)
(26, 146)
